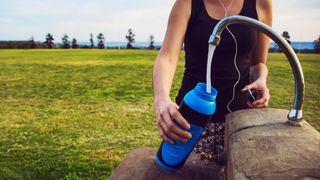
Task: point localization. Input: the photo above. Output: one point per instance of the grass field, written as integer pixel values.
(69, 114)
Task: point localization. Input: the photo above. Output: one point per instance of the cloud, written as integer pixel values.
(20, 19)
(79, 18)
(300, 19)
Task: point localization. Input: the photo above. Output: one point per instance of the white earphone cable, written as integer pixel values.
(235, 56)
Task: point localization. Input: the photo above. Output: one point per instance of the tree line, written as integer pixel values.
(130, 37)
(66, 43)
(287, 37)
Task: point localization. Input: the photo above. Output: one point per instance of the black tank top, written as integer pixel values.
(224, 74)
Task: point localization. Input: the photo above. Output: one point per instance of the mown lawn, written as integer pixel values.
(68, 114)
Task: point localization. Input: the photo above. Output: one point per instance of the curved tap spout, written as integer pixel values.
(295, 114)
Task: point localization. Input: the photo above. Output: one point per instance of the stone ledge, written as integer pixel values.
(260, 145)
(140, 164)
(235, 123)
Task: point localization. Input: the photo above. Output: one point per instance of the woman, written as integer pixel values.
(191, 22)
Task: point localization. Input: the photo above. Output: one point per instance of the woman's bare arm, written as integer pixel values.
(163, 73)
(259, 70)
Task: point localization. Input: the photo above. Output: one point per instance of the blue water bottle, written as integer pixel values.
(197, 108)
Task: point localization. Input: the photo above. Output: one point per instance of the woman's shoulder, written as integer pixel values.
(182, 6)
(266, 4)
(184, 2)
(264, 10)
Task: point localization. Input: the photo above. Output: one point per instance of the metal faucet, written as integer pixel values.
(295, 114)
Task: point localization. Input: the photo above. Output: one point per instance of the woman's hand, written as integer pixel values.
(261, 87)
(166, 111)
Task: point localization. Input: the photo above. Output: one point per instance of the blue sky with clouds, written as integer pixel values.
(20, 19)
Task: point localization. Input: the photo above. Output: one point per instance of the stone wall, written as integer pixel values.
(140, 164)
(261, 145)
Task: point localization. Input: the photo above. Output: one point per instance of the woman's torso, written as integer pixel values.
(224, 74)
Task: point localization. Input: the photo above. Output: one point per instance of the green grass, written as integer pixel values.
(68, 114)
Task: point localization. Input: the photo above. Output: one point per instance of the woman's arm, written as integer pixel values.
(163, 73)
(259, 70)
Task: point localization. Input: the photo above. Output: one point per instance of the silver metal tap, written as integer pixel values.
(295, 114)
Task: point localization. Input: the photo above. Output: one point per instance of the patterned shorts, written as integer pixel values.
(211, 141)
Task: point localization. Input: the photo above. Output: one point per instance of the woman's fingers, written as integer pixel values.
(171, 134)
(175, 114)
(178, 118)
(173, 130)
(163, 135)
(249, 86)
(169, 128)
(256, 104)
(262, 101)
(263, 97)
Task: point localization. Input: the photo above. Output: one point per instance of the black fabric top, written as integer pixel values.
(223, 74)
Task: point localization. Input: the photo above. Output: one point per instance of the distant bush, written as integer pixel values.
(101, 40)
(84, 47)
(74, 44)
(130, 38)
(20, 44)
(276, 50)
(316, 45)
(49, 41)
(65, 42)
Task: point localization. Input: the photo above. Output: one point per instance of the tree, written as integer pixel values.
(65, 41)
(277, 48)
(33, 44)
(286, 36)
(130, 38)
(316, 45)
(49, 41)
(151, 39)
(91, 41)
(74, 43)
(100, 38)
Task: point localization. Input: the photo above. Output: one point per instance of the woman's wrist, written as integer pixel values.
(161, 98)
(259, 72)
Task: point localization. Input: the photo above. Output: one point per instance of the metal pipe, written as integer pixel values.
(295, 114)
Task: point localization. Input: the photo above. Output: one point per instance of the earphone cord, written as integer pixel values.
(235, 56)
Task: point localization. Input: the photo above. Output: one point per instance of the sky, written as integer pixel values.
(21, 19)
